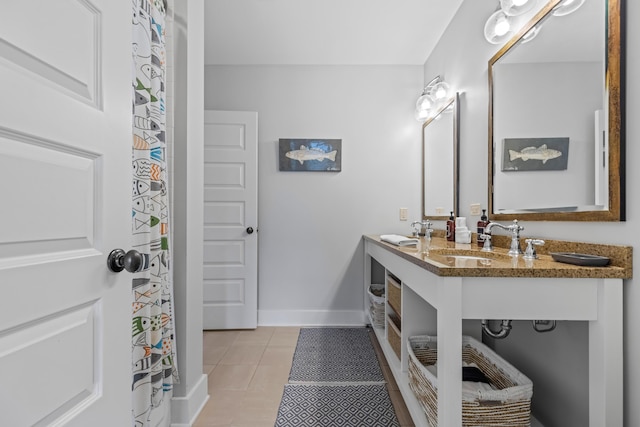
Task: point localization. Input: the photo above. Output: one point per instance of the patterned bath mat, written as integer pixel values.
(335, 355)
(336, 405)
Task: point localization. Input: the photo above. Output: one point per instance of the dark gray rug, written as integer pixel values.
(336, 405)
(335, 355)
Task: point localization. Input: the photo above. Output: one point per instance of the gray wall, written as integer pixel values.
(556, 362)
(311, 223)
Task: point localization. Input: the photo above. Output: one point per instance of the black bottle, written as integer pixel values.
(451, 228)
(481, 225)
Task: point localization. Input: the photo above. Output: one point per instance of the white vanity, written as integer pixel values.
(502, 288)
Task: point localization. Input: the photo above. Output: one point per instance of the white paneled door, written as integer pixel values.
(65, 202)
(230, 220)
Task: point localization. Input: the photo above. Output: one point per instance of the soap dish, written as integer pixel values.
(580, 259)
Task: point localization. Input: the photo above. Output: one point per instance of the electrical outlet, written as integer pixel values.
(474, 209)
(404, 212)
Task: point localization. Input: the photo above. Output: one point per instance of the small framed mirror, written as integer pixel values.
(440, 162)
(556, 116)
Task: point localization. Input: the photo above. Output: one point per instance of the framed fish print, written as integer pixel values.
(310, 155)
(535, 154)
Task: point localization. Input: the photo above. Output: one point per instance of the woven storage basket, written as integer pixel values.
(509, 406)
(376, 305)
(394, 295)
(394, 327)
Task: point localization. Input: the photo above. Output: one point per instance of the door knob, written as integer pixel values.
(249, 230)
(131, 261)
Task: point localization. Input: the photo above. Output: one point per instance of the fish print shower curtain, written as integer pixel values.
(153, 344)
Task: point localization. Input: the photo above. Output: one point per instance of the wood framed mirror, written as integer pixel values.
(556, 117)
(440, 135)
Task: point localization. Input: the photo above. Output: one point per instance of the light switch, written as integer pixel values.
(403, 214)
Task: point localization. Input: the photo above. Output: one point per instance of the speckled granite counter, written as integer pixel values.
(503, 265)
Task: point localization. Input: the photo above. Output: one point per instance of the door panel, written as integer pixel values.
(230, 206)
(68, 340)
(42, 170)
(65, 202)
(31, 40)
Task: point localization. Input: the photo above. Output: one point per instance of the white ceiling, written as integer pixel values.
(325, 32)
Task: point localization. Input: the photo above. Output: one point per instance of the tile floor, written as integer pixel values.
(248, 370)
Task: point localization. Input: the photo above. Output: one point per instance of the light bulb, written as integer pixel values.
(439, 91)
(516, 7)
(567, 6)
(531, 34)
(502, 26)
(423, 103)
(421, 115)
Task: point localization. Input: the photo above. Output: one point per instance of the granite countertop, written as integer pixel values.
(435, 259)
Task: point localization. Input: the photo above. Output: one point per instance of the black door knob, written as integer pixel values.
(249, 230)
(131, 261)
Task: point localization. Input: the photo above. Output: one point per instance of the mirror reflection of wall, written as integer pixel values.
(439, 139)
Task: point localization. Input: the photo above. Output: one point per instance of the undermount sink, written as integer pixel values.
(469, 254)
(468, 257)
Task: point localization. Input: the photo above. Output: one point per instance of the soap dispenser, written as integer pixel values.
(451, 228)
(482, 223)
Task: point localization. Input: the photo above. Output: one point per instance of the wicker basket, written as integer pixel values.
(376, 305)
(394, 327)
(394, 295)
(508, 406)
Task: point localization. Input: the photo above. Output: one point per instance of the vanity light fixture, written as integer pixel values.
(501, 24)
(516, 7)
(567, 6)
(531, 34)
(497, 29)
(433, 94)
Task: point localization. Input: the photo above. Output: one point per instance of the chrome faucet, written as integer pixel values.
(514, 229)
(424, 230)
(530, 251)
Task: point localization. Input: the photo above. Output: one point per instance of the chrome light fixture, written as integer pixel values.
(567, 6)
(497, 29)
(433, 94)
(531, 34)
(516, 7)
(501, 24)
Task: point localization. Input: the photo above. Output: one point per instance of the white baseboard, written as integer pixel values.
(312, 318)
(185, 410)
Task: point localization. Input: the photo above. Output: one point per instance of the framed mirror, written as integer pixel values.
(440, 162)
(556, 149)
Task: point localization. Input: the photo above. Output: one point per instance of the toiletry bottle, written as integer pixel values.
(451, 228)
(423, 245)
(481, 225)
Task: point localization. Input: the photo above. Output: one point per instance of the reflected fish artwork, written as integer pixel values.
(310, 155)
(535, 154)
(541, 153)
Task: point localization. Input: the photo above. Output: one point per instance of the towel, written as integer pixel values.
(396, 239)
(471, 390)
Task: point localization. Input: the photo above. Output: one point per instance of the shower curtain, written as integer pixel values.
(153, 344)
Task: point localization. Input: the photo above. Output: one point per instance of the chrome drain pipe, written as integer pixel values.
(505, 329)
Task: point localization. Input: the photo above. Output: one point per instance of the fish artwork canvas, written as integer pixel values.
(311, 155)
(535, 154)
